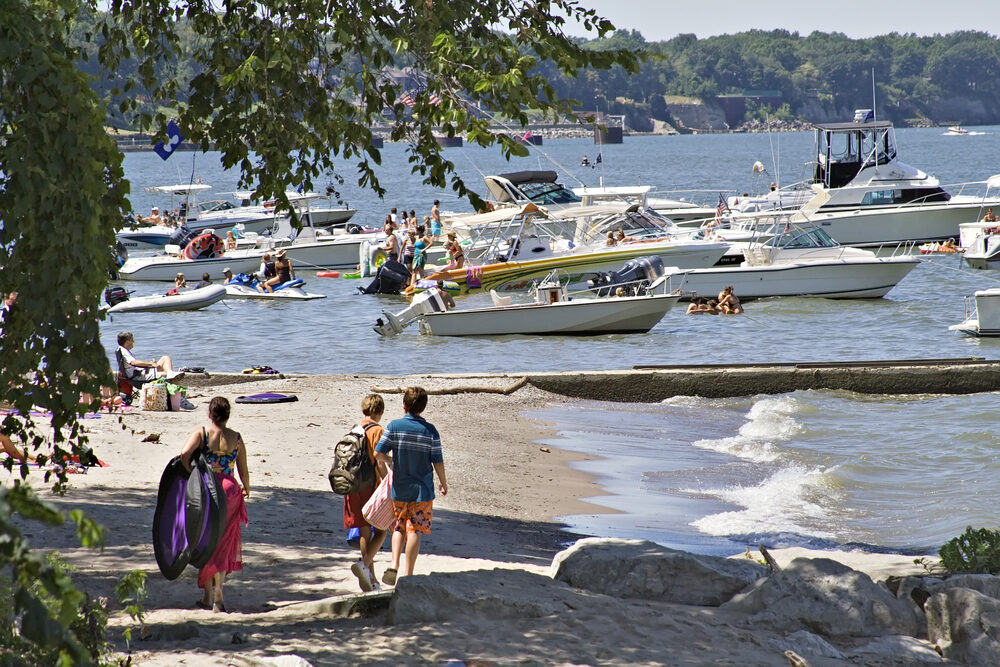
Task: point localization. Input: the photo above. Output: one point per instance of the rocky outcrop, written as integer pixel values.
(827, 598)
(965, 624)
(642, 569)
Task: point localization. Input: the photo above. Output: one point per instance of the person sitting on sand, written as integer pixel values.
(222, 447)
(729, 304)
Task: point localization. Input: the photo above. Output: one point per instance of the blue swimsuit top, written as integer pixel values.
(221, 463)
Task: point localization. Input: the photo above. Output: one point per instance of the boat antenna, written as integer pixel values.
(774, 158)
(874, 106)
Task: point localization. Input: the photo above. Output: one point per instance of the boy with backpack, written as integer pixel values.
(416, 455)
(370, 542)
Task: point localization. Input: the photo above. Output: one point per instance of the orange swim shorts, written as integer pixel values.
(414, 517)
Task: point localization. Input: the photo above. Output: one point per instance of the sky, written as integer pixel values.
(660, 20)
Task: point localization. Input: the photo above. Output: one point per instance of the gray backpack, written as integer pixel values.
(352, 469)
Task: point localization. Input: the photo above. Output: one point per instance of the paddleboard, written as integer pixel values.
(267, 398)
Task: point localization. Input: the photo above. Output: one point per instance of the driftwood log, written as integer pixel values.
(460, 389)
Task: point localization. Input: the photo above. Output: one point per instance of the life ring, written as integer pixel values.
(204, 246)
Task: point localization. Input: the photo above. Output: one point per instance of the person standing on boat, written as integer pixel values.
(456, 257)
(436, 220)
(990, 216)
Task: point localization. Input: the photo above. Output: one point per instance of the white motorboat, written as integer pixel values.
(980, 241)
(866, 197)
(193, 299)
(957, 129)
(982, 314)
(553, 312)
(247, 289)
(799, 261)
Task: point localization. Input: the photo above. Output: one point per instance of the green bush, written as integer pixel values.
(975, 550)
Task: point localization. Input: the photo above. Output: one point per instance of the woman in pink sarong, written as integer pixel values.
(222, 447)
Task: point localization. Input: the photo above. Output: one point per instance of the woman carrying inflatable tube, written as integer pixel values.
(222, 447)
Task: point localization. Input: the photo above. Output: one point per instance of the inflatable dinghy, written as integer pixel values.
(267, 398)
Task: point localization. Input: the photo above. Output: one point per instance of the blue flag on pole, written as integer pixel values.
(599, 159)
(174, 139)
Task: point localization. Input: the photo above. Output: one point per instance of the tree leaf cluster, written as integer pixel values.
(977, 550)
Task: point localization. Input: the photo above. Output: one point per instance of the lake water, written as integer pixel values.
(808, 468)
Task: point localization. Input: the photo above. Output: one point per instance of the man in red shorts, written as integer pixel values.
(416, 455)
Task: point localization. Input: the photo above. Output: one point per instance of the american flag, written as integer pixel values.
(721, 208)
(408, 100)
(434, 100)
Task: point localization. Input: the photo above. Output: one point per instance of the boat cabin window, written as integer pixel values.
(843, 150)
(880, 198)
(549, 193)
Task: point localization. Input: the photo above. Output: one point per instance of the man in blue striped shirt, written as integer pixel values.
(416, 455)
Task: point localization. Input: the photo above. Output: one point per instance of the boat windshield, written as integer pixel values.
(803, 238)
(549, 193)
(214, 205)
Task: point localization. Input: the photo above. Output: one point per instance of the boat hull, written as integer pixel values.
(837, 279)
(577, 268)
(144, 238)
(286, 294)
(891, 226)
(577, 317)
(186, 300)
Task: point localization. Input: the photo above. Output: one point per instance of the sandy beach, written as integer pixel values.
(504, 490)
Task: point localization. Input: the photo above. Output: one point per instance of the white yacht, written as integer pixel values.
(870, 198)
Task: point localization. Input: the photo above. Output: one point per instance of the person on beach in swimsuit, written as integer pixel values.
(415, 449)
(222, 447)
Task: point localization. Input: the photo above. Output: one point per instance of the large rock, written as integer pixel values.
(909, 650)
(806, 644)
(458, 596)
(826, 598)
(966, 625)
(642, 569)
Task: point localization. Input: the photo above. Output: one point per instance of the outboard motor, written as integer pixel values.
(182, 236)
(634, 276)
(430, 301)
(113, 295)
(390, 278)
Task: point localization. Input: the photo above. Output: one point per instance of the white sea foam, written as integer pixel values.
(790, 501)
(769, 423)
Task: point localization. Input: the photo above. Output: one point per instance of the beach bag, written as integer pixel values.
(352, 469)
(153, 397)
(378, 511)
